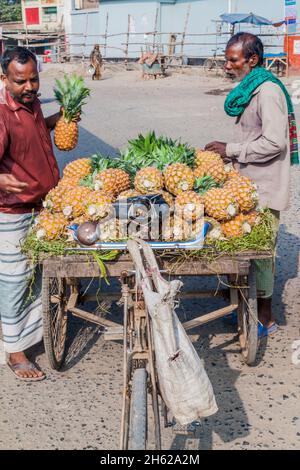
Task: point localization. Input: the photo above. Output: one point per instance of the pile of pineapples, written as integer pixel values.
(188, 180)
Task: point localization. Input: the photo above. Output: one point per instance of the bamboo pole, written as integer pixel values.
(184, 31)
(85, 35)
(127, 43)
(105, 38)
(61, 29)
(155, 31)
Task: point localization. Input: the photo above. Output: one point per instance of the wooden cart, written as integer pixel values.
(61, 297)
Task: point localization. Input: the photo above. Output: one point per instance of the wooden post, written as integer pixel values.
(184, 32)
(26, 32)
(59, 46)
(105, 37)
(287, 56)
(85, 35)
(127, 43)
(155, 31)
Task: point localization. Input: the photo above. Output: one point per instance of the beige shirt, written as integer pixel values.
(263, 151)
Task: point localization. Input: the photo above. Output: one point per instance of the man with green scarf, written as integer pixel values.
(266, 143)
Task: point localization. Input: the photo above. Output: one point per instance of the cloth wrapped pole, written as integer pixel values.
(183, 382)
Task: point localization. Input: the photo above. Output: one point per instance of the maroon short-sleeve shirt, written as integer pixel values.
(25, 152)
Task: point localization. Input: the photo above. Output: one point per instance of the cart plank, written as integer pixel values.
(81, 266)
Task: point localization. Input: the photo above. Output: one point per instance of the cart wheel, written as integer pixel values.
(221, 69)
(54, 300)
(209, 65)
(138, 411)
(247, 319)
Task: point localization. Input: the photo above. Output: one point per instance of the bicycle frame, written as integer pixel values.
(138, 351)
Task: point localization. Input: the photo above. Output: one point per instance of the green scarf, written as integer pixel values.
(239, 98)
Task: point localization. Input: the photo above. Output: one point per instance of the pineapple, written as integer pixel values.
(108, 229)
(128, 193)
(190, 205)
(98, 206)
(244, 191)
(215, 230)
(80, 220)
(215, 169)
(168, 198)
(253, 218)
(122, 180)
(74, 201)
(197, 227)
(176, 228)
(178, 177)
(54, 198)
(112, 180)
(68, 183)
(236, 227)
(77, 169)
(50, 226)
(148, 180)
(231, 172)
(220, 204)
(70, 94)
(100, 196)
(206, 156)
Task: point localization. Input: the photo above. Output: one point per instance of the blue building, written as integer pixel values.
(89, 19)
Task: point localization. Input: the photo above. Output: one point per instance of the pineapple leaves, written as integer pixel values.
(144, 151)
(150, 150)
(71, 93)
(202, 185)
(99, 162)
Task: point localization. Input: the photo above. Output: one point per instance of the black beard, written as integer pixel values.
(19, 98)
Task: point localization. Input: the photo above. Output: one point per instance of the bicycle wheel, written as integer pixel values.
(248, 319)
(209, 65)
(55, 315)
(138, 411)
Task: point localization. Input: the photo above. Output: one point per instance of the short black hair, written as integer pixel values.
(20, 54)
(251, 45)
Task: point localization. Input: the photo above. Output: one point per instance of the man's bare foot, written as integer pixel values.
(24, 372)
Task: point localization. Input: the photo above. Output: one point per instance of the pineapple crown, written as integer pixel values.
(202, 185)
(159, 152)
(142, 152)
(98, 163)
(70, 94)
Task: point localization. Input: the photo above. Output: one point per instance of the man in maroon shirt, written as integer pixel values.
(28, 170)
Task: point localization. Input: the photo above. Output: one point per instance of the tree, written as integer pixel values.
(10, 10)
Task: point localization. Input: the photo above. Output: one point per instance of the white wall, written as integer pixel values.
(171, 19)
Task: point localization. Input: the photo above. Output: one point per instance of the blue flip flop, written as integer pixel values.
(263, 331)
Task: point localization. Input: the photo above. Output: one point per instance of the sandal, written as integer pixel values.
(25, 366)
(262, 331)
(266, 331)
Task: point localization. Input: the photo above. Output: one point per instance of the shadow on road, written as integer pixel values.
(88, 144)
(286, 269)
(216, 343)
